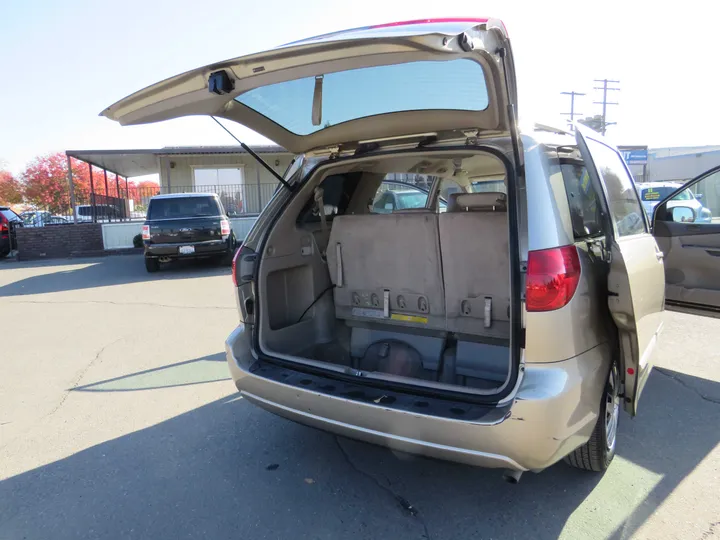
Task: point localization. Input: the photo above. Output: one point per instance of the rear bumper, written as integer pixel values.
(554, 412)
(210, 247)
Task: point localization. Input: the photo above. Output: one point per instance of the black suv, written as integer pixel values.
(9, 220)
(186, 226)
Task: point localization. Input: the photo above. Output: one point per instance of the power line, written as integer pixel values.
(605, 89)
(572, 112)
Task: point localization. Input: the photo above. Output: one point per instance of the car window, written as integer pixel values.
(179, 207)
(392, 196)
(658, 193)
(625, 209)
(585, 212)
(483, 186)
(10, 215)
(704, 208)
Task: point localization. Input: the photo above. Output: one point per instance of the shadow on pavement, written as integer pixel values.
(229, 470)
(104, 272)
(211, 368)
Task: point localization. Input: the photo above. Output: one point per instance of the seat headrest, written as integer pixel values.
(472, 202)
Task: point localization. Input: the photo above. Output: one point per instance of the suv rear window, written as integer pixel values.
(180, 207)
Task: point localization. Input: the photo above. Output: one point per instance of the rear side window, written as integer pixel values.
(181, 207)
(394, 196)
(627, 214)
(10, 215)
(585, 211)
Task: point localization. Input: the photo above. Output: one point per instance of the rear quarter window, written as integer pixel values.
(585, 211)
(181, 207)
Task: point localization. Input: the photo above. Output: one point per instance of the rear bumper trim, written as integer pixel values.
(395, 442)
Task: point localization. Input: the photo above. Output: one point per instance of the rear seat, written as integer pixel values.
(388, 275)
(475, 255)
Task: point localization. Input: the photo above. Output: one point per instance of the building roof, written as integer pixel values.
(139, 162)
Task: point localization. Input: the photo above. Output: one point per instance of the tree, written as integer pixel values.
(593, 122)
(10, 189)
(46, 184)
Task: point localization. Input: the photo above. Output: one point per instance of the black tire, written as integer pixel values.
(597, 454)
(151, 265)
(226, 260)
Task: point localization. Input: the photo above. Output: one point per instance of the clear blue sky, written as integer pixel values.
(63, 62)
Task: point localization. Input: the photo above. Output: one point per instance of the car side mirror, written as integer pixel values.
(683, 214)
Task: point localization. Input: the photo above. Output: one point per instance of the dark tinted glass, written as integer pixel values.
(582, 200)
(180, 207)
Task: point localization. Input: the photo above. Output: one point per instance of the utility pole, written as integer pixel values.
(572, 114)
(605, 89)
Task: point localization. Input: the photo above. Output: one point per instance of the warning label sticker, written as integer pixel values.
(409, 318)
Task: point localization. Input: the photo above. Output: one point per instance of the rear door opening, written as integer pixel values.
(413, 295)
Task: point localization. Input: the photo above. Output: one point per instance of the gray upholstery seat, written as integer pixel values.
(474, 247)
(396, 256)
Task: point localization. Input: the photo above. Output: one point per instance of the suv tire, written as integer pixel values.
(597, 454)
(151, 265)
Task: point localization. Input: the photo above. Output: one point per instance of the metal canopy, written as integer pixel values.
(129, 163)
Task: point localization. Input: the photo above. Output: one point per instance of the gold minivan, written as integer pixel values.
(430, 276)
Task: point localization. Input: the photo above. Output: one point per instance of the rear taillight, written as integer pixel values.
(145, 232)
(224, 227)
(4, 224)
(234, 266)
(243, 266)
(552, 278)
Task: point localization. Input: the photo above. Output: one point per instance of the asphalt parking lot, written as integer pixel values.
(118, 420)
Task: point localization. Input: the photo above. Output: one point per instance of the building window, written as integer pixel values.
(210, 179)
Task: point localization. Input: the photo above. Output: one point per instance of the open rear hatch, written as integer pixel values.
(430, 81)
(441, 77)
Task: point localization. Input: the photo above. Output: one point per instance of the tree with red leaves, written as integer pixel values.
(11, 191)
(45, 183)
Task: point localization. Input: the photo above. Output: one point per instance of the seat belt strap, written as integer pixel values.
(320, 204)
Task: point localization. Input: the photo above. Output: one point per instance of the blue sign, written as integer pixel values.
(635, 157)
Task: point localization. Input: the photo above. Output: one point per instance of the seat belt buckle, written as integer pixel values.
(488, 312)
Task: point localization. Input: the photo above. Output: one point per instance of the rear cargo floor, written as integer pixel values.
(335, 353)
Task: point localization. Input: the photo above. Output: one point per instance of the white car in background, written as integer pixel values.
(654, 192)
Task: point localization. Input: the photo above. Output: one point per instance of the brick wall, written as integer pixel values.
(58, 240)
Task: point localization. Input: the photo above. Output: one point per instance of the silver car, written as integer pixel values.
(651, 193)
(502, 328)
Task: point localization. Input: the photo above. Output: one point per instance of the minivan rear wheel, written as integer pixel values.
(596, 454)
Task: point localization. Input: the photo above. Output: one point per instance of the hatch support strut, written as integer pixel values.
(255, 156)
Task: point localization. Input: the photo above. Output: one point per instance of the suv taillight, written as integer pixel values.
(145, 232)
(4, 224)
(552, 277)
(224, 227)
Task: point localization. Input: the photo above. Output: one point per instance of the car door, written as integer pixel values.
(636, 280)
(689, 237)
